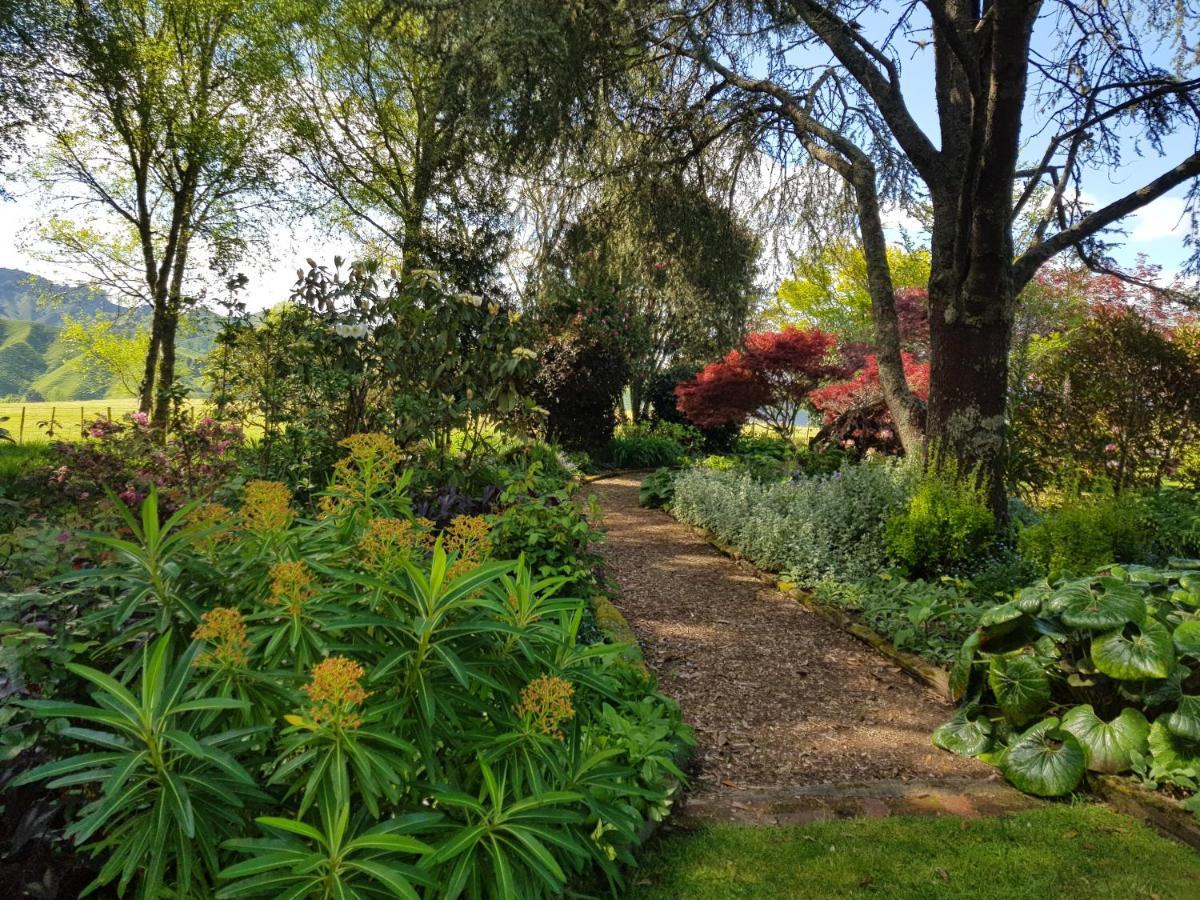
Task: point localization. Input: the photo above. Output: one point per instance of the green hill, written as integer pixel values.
(36, 364)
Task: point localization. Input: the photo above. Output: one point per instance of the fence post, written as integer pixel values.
(81, 422)
(21, 429)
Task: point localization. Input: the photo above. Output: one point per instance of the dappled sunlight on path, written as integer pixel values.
(778, 695)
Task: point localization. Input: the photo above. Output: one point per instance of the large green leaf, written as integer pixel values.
(1185, 720)
(967, 734)
(960, 672)
(1031, 598)
(1045, 760)
(1101, 604)
(1107, 745)
(1135, 652)
(1001, 619)
(1186, 638)
(1171, 752)
(1021, 687)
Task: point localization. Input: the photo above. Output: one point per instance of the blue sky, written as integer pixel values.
(1156, 231)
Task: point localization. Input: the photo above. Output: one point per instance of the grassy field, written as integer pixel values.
(68, 414)
(1080, 852)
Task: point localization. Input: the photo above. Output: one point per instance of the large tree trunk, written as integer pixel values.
(968, 387)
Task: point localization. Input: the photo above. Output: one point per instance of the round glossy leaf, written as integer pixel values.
(1045, 760)
(1170, 751)
(960, 672)
(1135, 652)
(1001, 619)
(1107, 745)
(1185, 720)
(1187, 638)
(1176, 562)
(1030, 598)
(967, 734)
(1021, 687)
(1102, 604)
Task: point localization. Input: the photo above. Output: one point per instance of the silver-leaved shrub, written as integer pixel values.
(811, 527)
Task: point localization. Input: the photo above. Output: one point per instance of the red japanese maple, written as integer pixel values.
(770, 379)
(854, 413)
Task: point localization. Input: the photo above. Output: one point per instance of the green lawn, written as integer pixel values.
(66, 413)
(1057, 851)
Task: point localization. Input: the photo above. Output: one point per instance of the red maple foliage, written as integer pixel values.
(854, 413)
(770, 379)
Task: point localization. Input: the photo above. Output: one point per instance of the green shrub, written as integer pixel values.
(348, 704)
(946, 525)
(1086, 674)
(687, 436)
(1172, 518)
(811, 528)
(657, 489)
(644, 452)
(1084, 534)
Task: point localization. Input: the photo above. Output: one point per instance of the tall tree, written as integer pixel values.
(684, 265)
(158, 146)
(1099, 78)
(415, 118)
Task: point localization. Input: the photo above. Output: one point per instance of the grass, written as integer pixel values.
(67, 413)
(1080, 851)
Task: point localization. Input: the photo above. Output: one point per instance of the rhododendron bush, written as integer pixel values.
(770, 379)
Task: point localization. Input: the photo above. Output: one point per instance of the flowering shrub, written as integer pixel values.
(770, 379)
(1071, 417)
(129, 458)
(353, 677)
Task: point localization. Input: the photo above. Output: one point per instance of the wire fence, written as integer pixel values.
(34, 423)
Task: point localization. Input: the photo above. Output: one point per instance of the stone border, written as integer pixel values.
(1165, 814)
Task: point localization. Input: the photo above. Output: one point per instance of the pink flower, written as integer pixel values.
(62, 537)
(1110, 448)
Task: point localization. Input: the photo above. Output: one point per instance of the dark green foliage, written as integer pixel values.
(657, 489)
(647, 452)
(1083, 666)
(582, 367)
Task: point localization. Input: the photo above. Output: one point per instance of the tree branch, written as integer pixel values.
(1028, 264)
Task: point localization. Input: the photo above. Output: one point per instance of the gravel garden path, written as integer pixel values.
(783, 702)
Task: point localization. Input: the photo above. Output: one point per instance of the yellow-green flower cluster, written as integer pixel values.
(225, 630)
(291, 586)
(370, 464)
(212, 521)
(388, 543)
(336, 692)
(266, 506)
(469, 537)
(546, 704)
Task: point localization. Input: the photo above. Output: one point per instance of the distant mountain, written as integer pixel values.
(36, 364)
(30, 298)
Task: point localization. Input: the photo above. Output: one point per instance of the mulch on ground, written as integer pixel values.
(777, 695)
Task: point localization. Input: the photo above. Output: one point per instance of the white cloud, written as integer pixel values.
(1163, 218)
